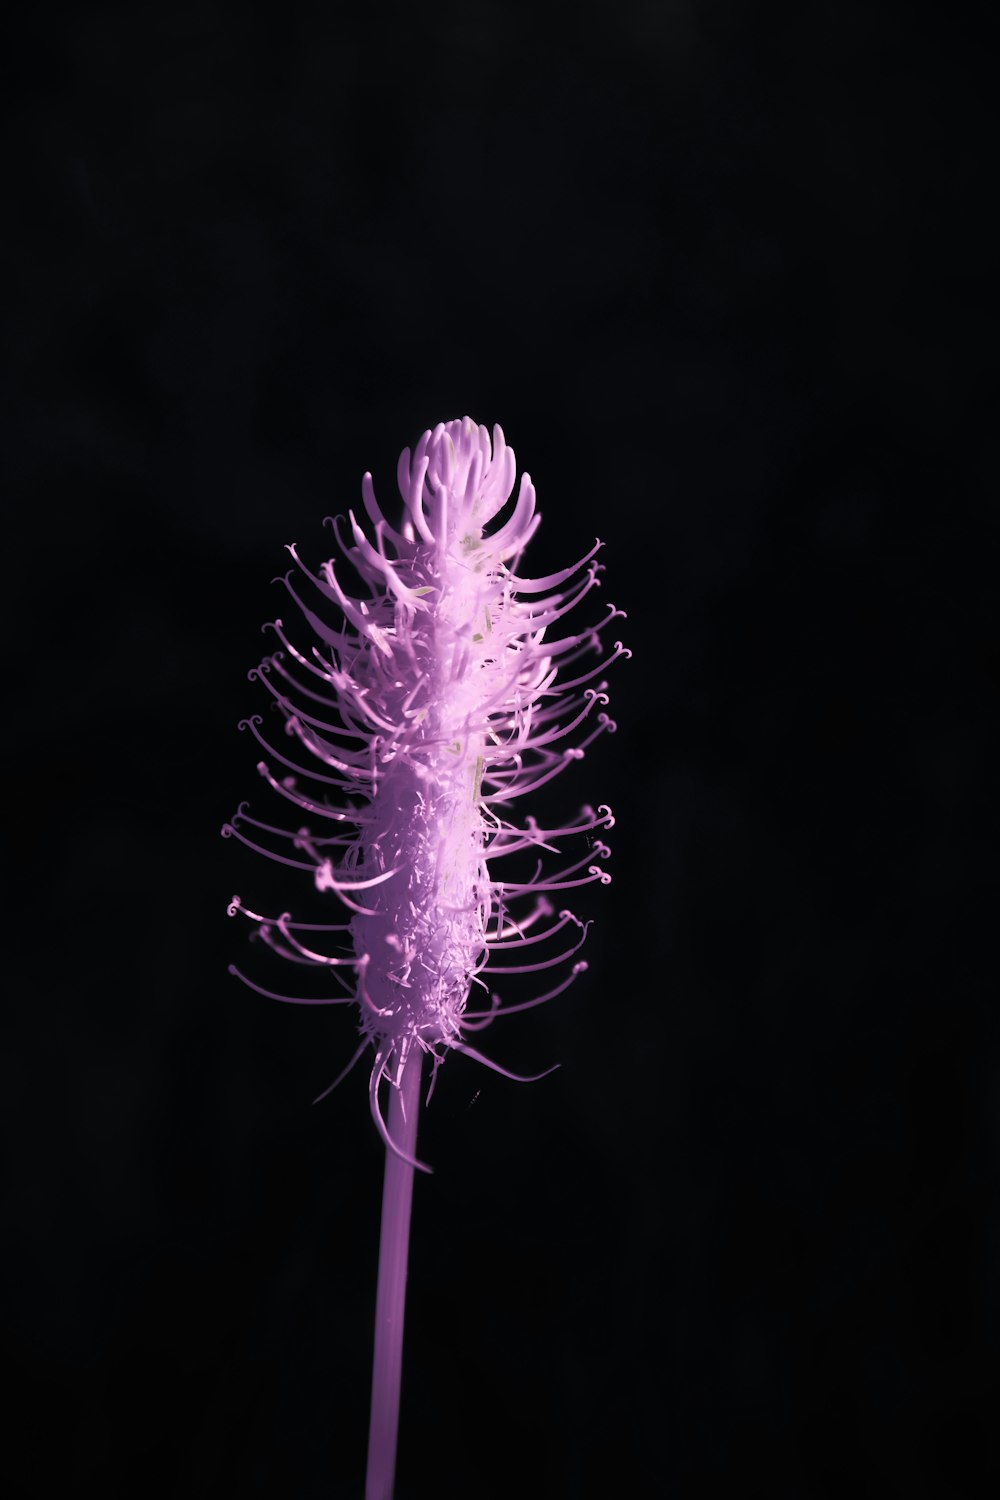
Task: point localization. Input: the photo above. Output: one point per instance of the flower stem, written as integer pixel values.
(390, 1301)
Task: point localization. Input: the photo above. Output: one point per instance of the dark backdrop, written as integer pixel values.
(719, 271)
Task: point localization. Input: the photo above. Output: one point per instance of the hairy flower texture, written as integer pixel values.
(430, 708)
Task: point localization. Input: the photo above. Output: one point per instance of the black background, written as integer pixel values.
(719, 271)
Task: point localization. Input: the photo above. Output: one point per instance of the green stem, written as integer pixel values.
(390, 1301)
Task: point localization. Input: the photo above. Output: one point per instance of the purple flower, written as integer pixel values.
(423, 714)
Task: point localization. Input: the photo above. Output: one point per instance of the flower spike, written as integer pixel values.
(420, 710)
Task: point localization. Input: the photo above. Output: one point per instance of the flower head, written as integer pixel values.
(424, 712)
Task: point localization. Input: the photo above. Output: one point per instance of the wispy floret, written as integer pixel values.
(416, 719)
